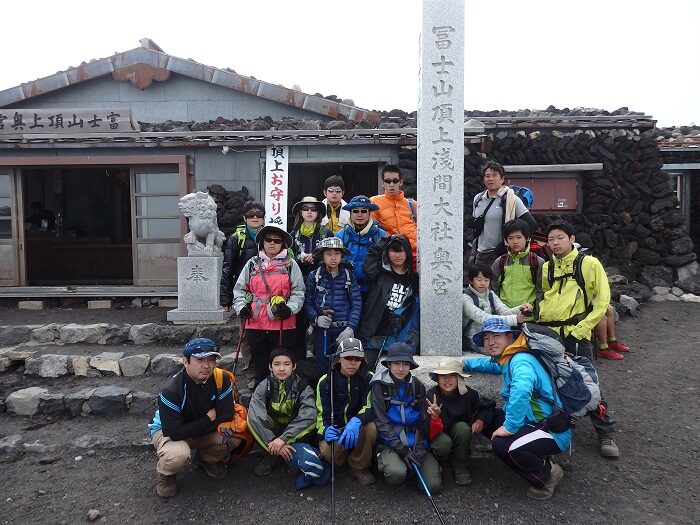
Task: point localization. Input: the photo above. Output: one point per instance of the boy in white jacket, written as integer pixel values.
(480, 303)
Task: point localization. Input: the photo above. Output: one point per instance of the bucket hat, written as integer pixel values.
(286, 238)
(493, 325)
(361, 201)
(329, 243)
(400, 352)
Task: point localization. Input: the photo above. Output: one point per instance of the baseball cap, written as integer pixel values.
(200, 348)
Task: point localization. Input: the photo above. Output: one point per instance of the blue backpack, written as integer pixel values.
(524, 193)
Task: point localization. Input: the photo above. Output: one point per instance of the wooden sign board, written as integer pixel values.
(67, 121)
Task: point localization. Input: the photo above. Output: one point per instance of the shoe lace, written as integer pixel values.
(607, 441)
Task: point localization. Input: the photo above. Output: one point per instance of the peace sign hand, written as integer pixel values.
(434, 410)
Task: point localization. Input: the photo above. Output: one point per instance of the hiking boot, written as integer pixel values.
(610, 354)
(166, 486)
(267, 463)
(213, 470)
(617, 346)
(608, 448)
(547, 490)
(461, 474)
(365, 477)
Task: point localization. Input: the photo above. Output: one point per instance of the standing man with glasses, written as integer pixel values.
(239, 249)
(336, 215)
(396, 214)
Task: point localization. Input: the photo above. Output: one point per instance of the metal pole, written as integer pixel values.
(427, 492)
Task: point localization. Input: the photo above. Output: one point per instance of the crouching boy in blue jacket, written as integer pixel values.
(280, 414)
(352, 426)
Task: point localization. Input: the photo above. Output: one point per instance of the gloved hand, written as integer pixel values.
(246, 312)
(351, 433)
(348, 332)
(411, 458)
(281, 311)
(323, 321)
(331, 433)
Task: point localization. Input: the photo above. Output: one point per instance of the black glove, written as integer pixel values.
(281, 311)
(411, 459)
(246, 312)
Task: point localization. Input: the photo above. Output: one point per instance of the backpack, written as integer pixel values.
(238, 426)
(348, 280)
(467, 345)
(574, 378)
(577, 274)
(525, 194)
(503, 259)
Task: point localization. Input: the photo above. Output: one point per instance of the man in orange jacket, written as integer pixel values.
(396, 213)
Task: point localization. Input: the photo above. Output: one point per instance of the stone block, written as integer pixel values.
(656, 276)
(690, 298)
(227, 361)
(168, 303)
(166, 364)
(143, 334)
(25, 402)
(689, 277)
(658, 298)
(676, 291)
(174, 334)
(136, 303)
(46, 334)
(488, 385)
(10, 357)
(630, 303)
(31, 366)
(100, 304)
(51, 404)
(115, 335)
(134, 365)
(13, 335)
(82, 333)
(74, 402)
(197, 287)
(31, 305)
(108, 400)
(142, 403)
(91, 441)
(107, 363)
(53, 365)
(221, 334)
(197, 317)
(661, 290)
(10, 445)
(80, 366)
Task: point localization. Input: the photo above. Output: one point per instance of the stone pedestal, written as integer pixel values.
(198, 281)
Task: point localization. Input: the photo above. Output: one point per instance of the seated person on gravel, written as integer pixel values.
(282, 413)
(518, 435)
(479, 303)
(352, 426)
(190, 411)
(456, 412)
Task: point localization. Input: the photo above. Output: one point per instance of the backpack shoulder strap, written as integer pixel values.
(492, 302)
(475, 298)
(218, 378)
(411, 204)
(578, 276)
(550, 272)
(240, 236)
(533, 267)
(502, 268)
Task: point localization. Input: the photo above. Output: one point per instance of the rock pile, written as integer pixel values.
(229, 205)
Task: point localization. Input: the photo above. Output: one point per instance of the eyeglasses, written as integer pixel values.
(392, 181)
(273, 240)
(255, 215)
(309, 208)
(334, 190)
(355, 210)
(353, 359)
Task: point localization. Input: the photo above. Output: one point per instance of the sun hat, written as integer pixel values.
(361, 201)
(200, 348)
(400, 352)
(310, 200)
(286, 238)
(493, 325)
(449, 367)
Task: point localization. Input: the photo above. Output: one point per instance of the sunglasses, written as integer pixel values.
(329, 190)
(255, 215)
(392, 181)
(273, 240)
(309, 208)
(353, 359)
(360, 211)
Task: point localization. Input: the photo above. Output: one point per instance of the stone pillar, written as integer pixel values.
(441, 176)
(198, 281)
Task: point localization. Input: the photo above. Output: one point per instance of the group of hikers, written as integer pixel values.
(346, 275)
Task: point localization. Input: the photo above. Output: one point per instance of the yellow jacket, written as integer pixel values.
(564, 299)
(394, 215)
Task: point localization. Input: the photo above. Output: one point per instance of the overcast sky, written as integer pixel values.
(643, 54)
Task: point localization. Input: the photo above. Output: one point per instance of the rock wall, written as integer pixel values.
(229, 212)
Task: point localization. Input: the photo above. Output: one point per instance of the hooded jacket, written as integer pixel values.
(333, 293)
(306, 245)
(459, 407)
(343, 215)
(351, 398)
(382, 278)
(517, 287)
(394, 215)
(478, 313)
(359, 243)
(236, 254)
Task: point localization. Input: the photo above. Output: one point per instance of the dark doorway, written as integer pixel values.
(78, 226)
(308, 179)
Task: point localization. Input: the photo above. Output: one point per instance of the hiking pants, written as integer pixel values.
(604, 427)
(173, 455)
(394, 469)
(454, 443)
(299, 337)
(312, 469)
(527, 453)
(358, 458)
(319, 352)
(262, 343)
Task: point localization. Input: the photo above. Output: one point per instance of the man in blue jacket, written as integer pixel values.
(518, 435)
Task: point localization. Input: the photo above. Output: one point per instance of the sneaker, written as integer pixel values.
(364, 477)
(461, 474)
(267, 463)
(213, 470)
(610, 354)
(547, 490)
(617, 346)
(166, 486)
(608, 448)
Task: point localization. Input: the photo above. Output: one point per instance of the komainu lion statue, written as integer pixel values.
(204, 237)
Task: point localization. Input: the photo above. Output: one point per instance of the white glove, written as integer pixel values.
(323, 321)
(348, 332)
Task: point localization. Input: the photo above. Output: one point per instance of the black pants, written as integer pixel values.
(604, 427)
(298, 339)
(261, 343)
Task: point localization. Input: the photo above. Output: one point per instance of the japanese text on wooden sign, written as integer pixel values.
(276, 181)
(66, 121)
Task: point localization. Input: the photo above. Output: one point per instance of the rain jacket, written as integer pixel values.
(284, 279)
(477, 314)
(394, 215)
(304, 244)
(240, 248)
(517, 287)
(459, 407)
(359, 244)
(343, 215)
(564, 299)
(524, 382)
(351, 398)
(334, 293)
(281, 409)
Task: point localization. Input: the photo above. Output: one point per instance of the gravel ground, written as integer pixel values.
(653, 394)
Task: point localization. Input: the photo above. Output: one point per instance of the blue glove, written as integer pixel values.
(332, 433)
(351, 433)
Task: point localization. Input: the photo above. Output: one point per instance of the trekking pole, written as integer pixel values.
(330, 377)
(238, 346)
(379, 355)
(427, 492)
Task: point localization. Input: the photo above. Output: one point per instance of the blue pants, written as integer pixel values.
(320, 352)
(312, 469)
